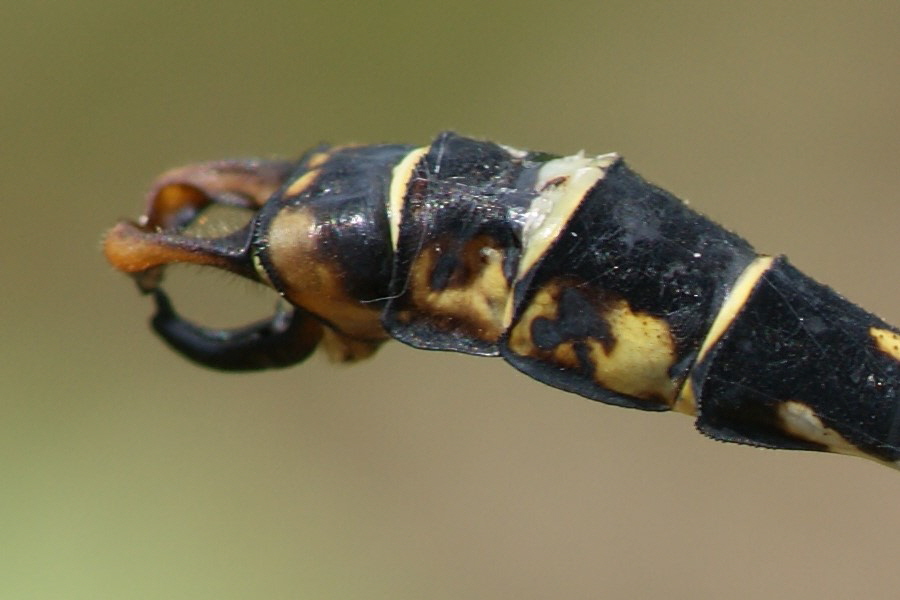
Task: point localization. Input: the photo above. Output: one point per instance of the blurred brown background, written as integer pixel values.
(127, 473)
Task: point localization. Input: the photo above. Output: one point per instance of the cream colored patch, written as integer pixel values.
(514, 152)
(887, 341)
(740, 292)
(561, 186)
(639, 361)
(401, 175)
(301, 183)
(635, 364)
(800, 420)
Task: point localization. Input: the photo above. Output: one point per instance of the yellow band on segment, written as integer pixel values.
(400, 178)
(561, 186)
(734, 301)
(301, 183)
(320, 158)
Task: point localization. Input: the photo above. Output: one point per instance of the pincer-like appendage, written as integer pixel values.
(281, 341)
(176, 200)
(158, 238)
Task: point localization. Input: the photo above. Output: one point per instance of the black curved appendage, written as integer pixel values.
(287, 338)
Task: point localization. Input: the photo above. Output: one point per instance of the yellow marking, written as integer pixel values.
(639, 361)
(740, 292)
(635, 363)
(686, 403)
(542, 305)
(301, 183)
(476, 293)
(314, 282)
(320, 158)
(343, 349)
(887, 341)
(400, 177)
(802, 422)
(561, 186)
(261, 270)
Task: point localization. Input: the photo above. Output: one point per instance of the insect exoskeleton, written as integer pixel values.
(574, 269)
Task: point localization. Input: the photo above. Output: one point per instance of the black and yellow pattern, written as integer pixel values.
(574, 269)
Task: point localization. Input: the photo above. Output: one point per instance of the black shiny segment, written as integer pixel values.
(631, 240)
(796, 340)
(347, 200)
(463, 203)
(284, 340)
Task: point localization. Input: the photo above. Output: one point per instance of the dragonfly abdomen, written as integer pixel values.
(575, 270)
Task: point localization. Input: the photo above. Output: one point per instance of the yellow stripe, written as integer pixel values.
(561, 186)
(734, 301)
(400, 177)
(301, 183)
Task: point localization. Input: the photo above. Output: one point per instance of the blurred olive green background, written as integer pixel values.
(127, 473)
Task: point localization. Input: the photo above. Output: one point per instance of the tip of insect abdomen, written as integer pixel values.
(130, 248)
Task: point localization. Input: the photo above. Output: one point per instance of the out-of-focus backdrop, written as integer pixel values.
(127, 473)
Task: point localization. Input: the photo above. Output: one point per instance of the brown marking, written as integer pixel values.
(544, 305)
(131, 249)
(248, 183)
(475, 296)
(553, 183)
(635, 360)
(174, 203)
(886, 341)
(314, 281)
